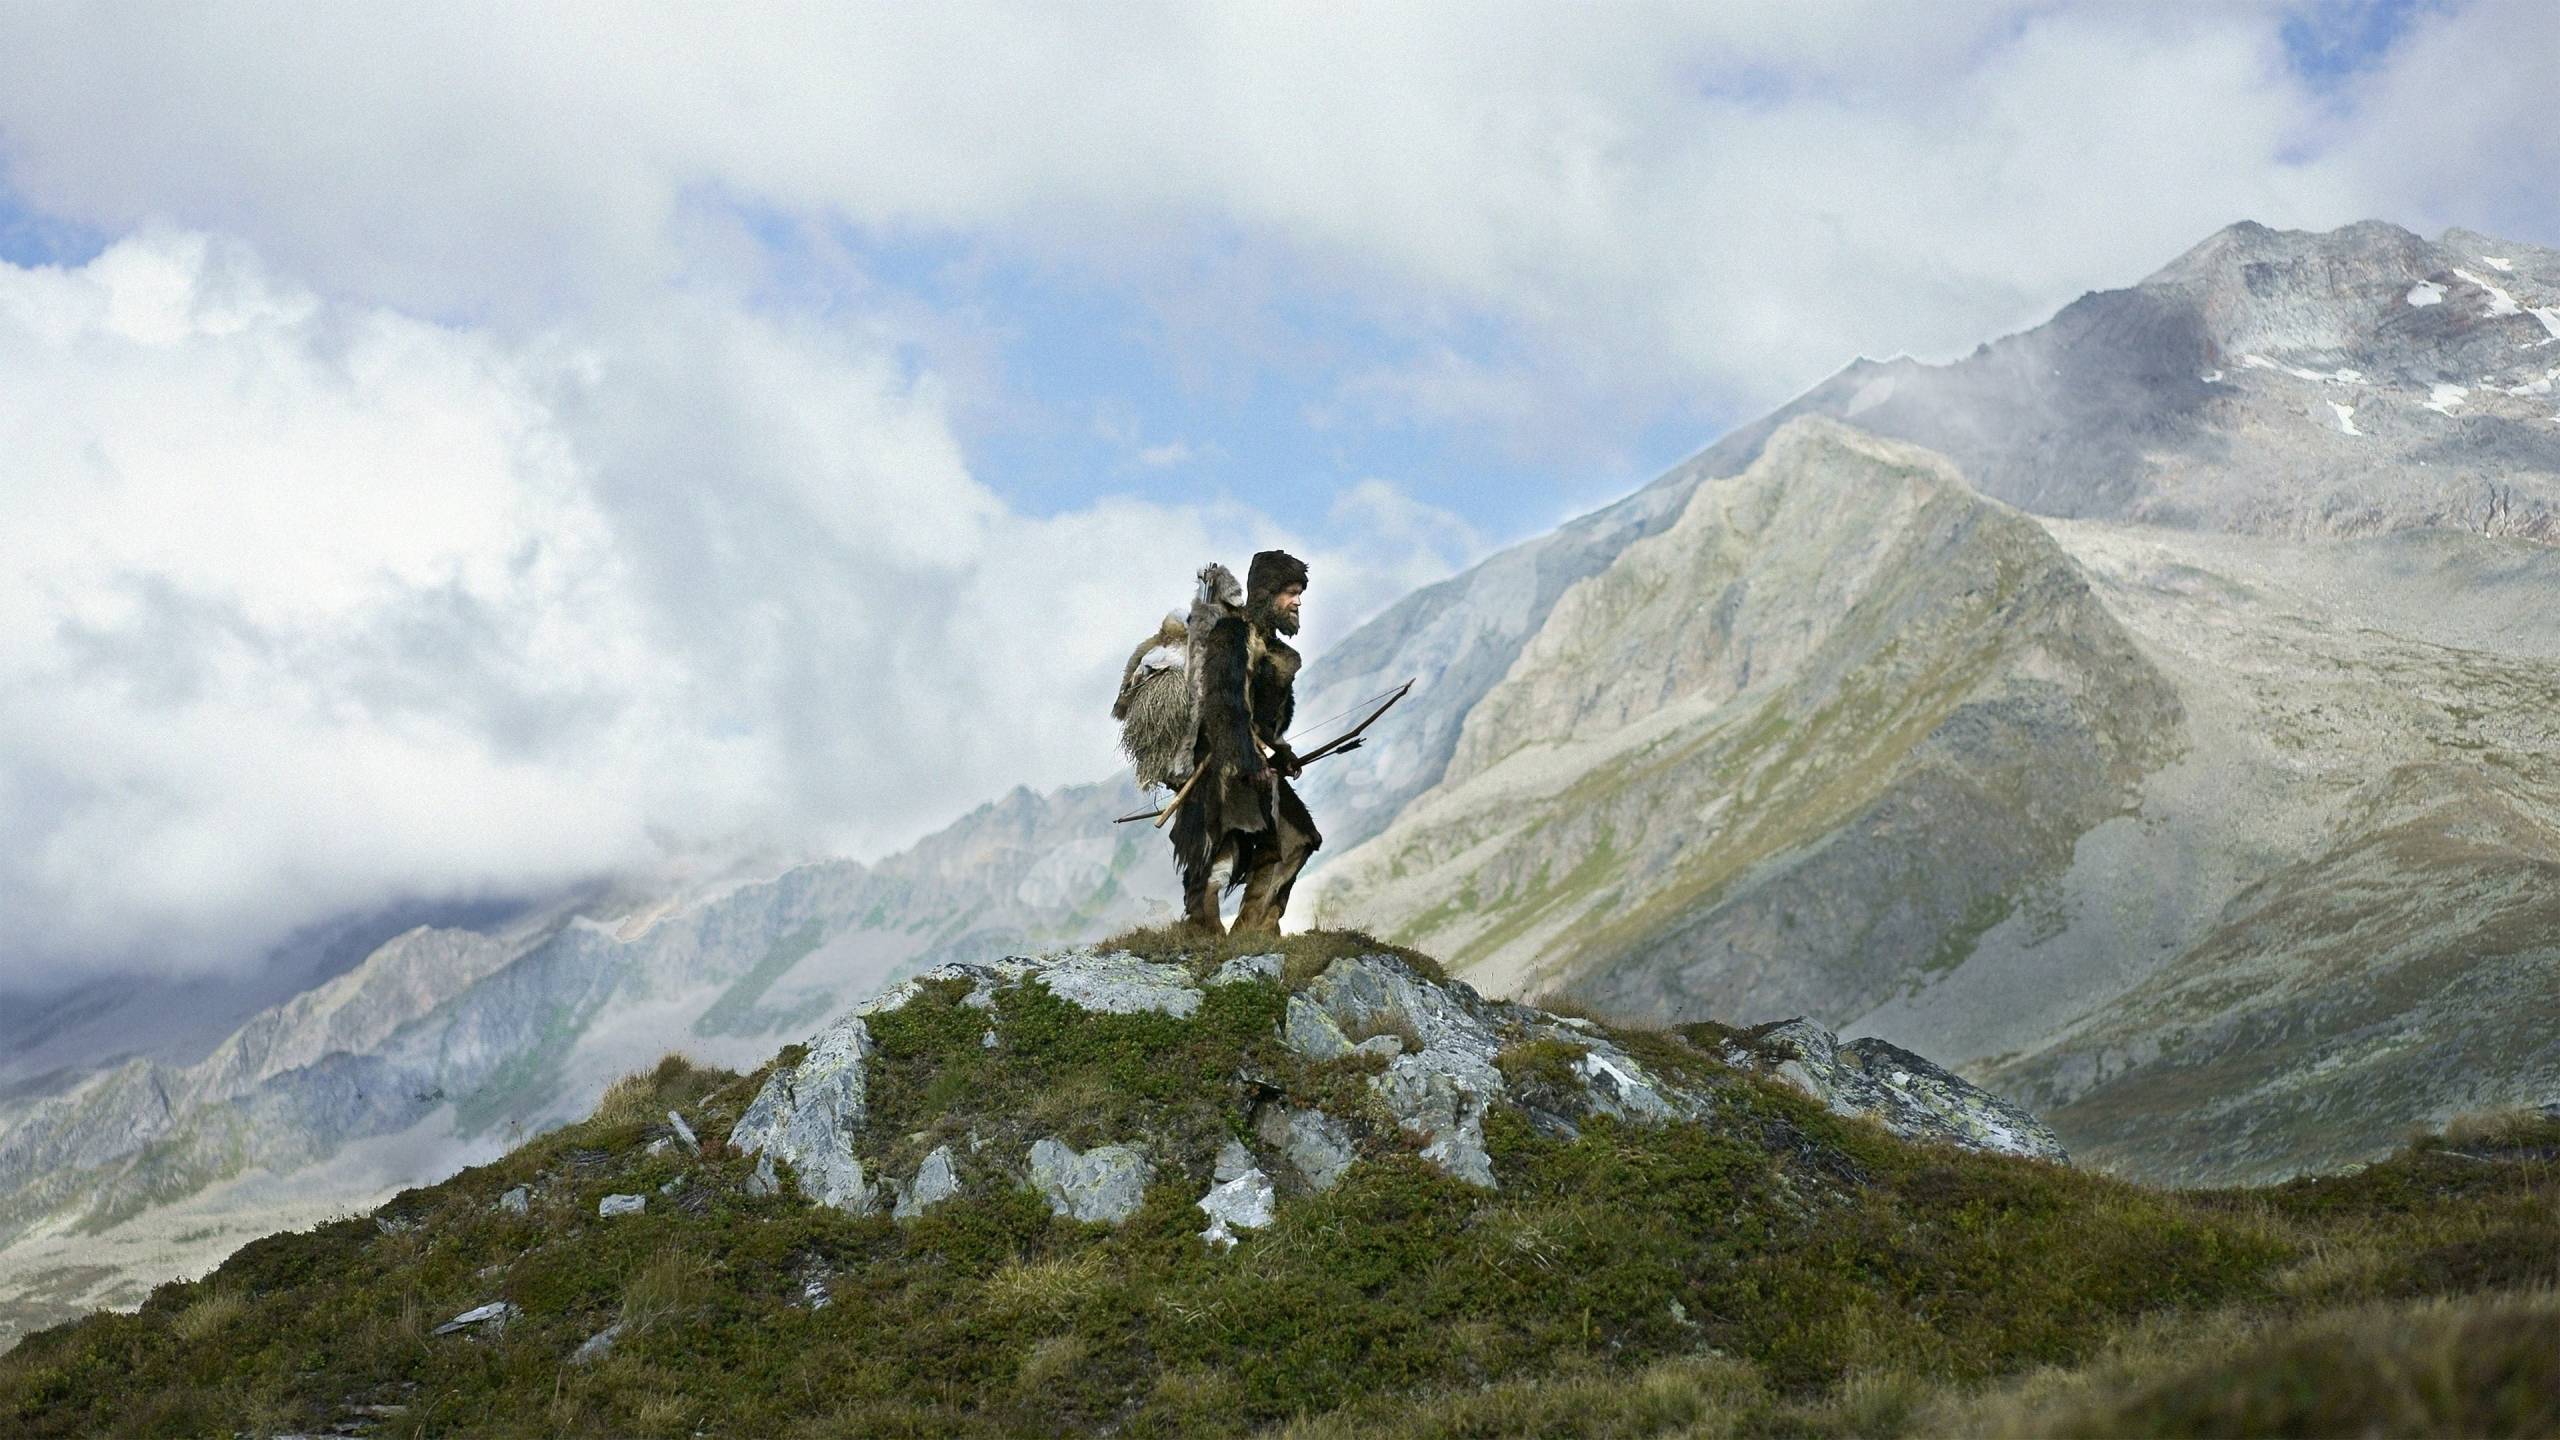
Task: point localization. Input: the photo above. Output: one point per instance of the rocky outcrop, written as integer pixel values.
(1907, 1095)
(1106, 1183)
(810, 1115)
(1433, 1060)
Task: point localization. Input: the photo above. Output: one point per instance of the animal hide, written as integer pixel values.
(1154, 706)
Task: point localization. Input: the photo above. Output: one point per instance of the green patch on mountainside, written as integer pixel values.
(1773, 1268)
(736, 1012)
(530, 1077)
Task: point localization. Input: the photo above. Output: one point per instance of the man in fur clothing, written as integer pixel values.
(1244, 812)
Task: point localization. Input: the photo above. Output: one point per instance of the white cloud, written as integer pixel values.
(313, 605)
(1654, 204)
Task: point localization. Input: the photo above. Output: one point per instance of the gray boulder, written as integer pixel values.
(1245, 1202)
(1106, 1183)
(811, 1115)
(935, 1182)
(1906, 1094)
(1117, 983)
(1247, 967)
(517, 1201)
(1233, 1160)
(596, 1347)
(488, 1319)
(1439, 1093)
(1317, 1146)
(1307, 1029)
(616, 1205)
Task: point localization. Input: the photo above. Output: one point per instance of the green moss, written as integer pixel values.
(1541, 1062)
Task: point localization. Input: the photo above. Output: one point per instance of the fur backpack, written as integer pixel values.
(1159, 703)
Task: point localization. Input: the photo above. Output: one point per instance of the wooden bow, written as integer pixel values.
(1343, 743)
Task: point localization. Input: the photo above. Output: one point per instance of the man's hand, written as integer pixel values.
(1285, 760)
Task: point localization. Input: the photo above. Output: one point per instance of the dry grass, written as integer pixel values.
(1053, 1358)
(1688, 1396)
(644, 1097)
(1046, 1289)
(2483, 1127)
(207, 1317)
(666, 1290)
(2447, 1366)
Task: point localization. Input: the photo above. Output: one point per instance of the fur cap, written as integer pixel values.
(1271, 572)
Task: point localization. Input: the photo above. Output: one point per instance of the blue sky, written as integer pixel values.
(467, 449)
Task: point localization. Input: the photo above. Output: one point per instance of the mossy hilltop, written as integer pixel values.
(1771, 1268)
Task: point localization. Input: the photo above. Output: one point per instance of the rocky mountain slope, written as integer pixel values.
(447, 1046)
(1323, 1190)
(2258, 755)
(1729, 764)
(2297, 917)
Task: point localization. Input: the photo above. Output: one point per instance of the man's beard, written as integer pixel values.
(1274, 619)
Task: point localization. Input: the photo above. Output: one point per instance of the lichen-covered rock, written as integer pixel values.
(1247, 967)
(1244, 1202)
(810, 1115)
(489, 1319)
(1316, 1145)
(616, 1205)
(935, 1182)
(1233, 1160)
(1307, 1029)
(1117, 983)
(1440, 1092)
(1906, 1094)
(1617, 1085)
(1106, 1183)
(517, 1201)
(1434, 1103)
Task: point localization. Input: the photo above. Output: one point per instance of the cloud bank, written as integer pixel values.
(312, 605)
(442, 482)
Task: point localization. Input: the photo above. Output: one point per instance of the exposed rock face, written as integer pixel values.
(1121, 984)
(1317, 1146)
(811, 1113)
(489, 1319)
(1106, 1183)
(935, 1182)
(1242, 1203)
(1773, 758)
(1906, 1094)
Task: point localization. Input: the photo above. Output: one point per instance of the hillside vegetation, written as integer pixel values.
(1772, 1267)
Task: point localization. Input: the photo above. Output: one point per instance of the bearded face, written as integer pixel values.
(1272, 618)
